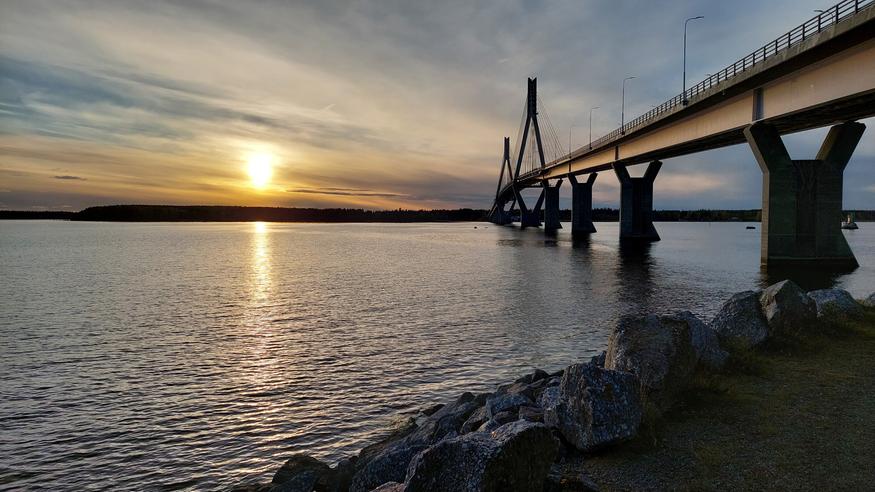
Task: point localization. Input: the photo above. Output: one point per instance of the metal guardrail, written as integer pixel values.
(831, 16)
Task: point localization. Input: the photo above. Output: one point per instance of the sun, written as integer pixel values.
(260, 169)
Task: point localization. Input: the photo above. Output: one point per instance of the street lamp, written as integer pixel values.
(623, 108)
(684, 93)
(573, 126)
(590, 125)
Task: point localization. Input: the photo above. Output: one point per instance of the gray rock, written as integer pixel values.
(835, 304)
(341, 475)
(526, 389)
(389, 465)
(539, 375)
(869, 301)
(787, 308)
(431, 409)
(564, 478)
(532, 414)
(503, 403)
(659, 351)
(516, 456)
(476, 419)
(549, 398)
(301, 473)
(705, 342)
(740, 322)
(599, 360)
(594, 407)
(390, 487)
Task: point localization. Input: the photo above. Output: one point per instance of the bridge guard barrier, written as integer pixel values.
(802, 199)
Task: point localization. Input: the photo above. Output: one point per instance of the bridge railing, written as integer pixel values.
(824, 19)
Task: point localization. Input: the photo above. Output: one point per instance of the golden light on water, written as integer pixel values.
(260, 169)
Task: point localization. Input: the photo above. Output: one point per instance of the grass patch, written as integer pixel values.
(798, 414)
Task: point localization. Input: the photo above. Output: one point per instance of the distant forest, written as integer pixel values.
(174, 213)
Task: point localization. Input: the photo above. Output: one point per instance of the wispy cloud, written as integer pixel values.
(345, 192)
(70, 177)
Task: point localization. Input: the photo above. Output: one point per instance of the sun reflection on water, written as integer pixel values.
(262, 282)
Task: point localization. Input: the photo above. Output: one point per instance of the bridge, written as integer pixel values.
(822, 73)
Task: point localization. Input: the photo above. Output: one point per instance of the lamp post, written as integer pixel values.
(590, 125)
(573, 126)
(623, 108)
(684, 92)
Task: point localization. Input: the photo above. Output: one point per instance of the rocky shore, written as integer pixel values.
(530, 434)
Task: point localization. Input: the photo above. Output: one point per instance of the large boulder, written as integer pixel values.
(389, 465)
(388, 461)
(740, 321)
(659, 351)
(516, 456)
(835, 304)
(302, 473)
(506, 403)
(705, 342)
(475, 420)
(787, 308)
(593, 407)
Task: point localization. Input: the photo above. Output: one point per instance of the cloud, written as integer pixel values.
(374, 103)
(344, 192)
(69, 177)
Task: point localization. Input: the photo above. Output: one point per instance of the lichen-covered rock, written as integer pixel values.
(516, 456)
(787, 308)
(835, 304)
(594, 407)
(301, 473)
(506, 402)
(656, 349)
(705, 342)
(740, 321)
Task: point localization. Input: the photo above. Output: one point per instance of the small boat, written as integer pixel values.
(750, 227)
(849, 223)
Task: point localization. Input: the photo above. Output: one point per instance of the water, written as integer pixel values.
(198, 356)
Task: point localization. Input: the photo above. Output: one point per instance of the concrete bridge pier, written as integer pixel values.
(551, 207)
(636, 203)
(529, 217)
(581, 205)
(802, 199)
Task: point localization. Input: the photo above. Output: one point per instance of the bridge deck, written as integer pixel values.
(819, 73)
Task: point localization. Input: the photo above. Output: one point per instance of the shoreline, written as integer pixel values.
(535, 433)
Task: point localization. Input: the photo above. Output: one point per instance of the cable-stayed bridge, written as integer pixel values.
(822, 73)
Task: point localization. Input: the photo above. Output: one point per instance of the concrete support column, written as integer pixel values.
(551, 207)
(529, 217)
(636, 203)
(802, 199)
(581, 206)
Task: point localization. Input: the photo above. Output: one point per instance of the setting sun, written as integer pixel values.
(260, 169)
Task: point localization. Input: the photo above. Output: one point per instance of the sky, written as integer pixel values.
(378, 104)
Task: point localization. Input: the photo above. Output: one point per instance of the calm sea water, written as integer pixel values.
(198, 356)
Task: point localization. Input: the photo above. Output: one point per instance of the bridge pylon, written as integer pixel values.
(498, 214)
(802, 199)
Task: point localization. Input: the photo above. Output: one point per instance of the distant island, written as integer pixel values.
(220, 213)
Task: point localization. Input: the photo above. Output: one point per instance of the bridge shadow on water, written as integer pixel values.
(808, 277)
